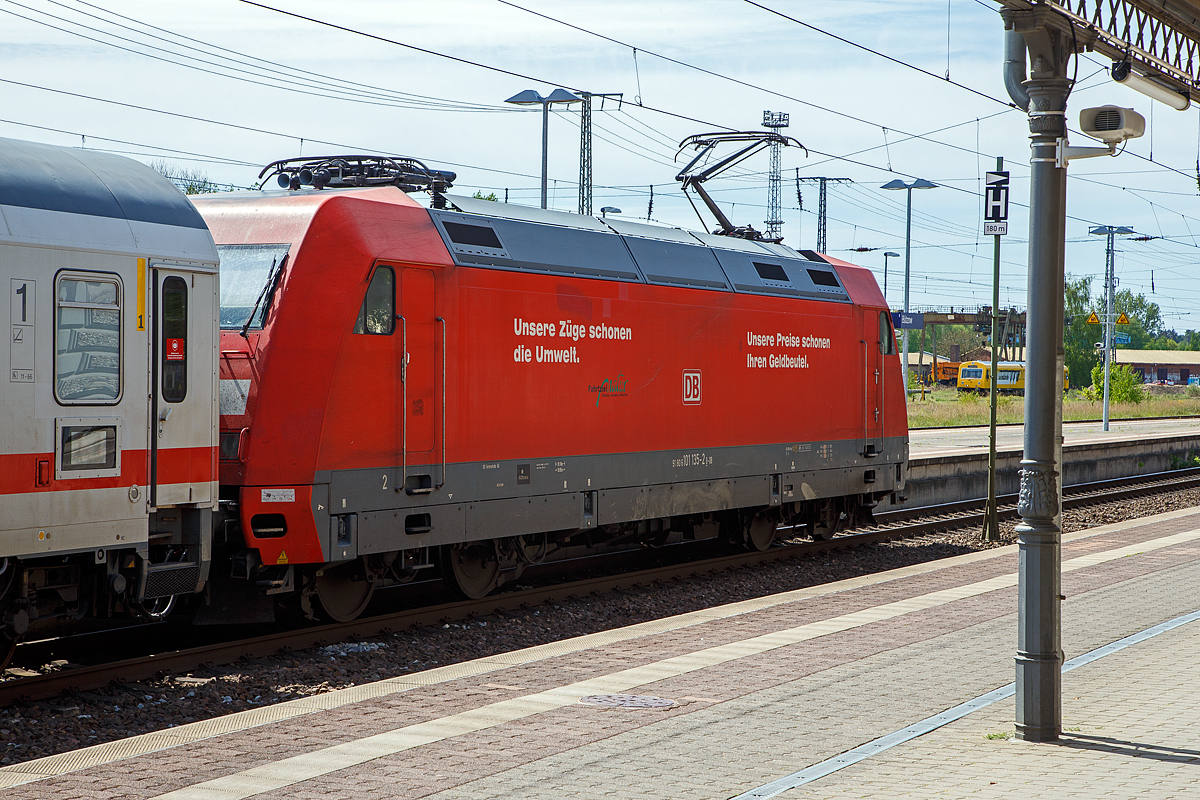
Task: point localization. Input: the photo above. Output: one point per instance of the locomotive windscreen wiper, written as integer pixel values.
(266, 287)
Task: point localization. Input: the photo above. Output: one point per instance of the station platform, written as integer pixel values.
(935, 442)
(852, 689)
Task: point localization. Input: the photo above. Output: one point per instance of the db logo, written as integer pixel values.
(691, 387)
(174, 350)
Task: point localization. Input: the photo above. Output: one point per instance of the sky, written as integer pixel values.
(223, 87)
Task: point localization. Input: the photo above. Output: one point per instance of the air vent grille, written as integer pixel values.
(1108, 119)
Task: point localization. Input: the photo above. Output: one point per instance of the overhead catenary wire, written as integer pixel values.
(250, 129)
(140, 48)
(636, 120)
(285, 69)
(624, 44)
(925, 137)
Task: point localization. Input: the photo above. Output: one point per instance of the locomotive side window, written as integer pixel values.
(771, 272)
(174, 339)
(887, 340)
(473, 235)
(87, 340)
(822, 278)
(378, 312)
(249, 274)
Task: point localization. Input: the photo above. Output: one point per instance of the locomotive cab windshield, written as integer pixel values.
(249, 273)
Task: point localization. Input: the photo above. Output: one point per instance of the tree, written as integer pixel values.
(965, 336)
(1079, 338)
(1145, 326)
(1145, 321)
(189, 181)
(1124, 385)
(490, 196)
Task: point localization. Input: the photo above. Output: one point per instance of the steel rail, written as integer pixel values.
(903, 524)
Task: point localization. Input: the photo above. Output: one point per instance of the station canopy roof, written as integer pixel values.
(1163, 358)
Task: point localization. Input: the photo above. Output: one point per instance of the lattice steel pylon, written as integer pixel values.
(585, 154)
(775, 120)
(585, 144)
(822, 242)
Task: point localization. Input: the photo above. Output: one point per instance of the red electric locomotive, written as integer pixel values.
(477, 384)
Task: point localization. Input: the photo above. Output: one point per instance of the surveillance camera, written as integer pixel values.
(1112, 124)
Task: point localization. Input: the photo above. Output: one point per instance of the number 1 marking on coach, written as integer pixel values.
(20, 339)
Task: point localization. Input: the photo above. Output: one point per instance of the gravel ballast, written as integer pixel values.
(37, 729)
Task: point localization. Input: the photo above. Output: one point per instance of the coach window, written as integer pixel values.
(174, 339)
(887, 340)
(378, 312)
(87, 340)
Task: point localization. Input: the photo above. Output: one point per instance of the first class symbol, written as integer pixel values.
(691, 387)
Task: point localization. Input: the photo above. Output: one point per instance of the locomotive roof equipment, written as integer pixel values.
(340, 172)
(693, 177)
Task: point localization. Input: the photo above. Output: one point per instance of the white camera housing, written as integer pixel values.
(1112, 124)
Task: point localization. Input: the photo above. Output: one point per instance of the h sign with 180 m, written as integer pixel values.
(995, 204)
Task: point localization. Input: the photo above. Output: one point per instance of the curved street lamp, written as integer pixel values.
(531, 98)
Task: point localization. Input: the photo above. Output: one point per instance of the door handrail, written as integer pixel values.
(443, 321)
(403, 403)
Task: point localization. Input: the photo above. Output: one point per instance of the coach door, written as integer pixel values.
(182, 433)
(879, 346)
(423, 382)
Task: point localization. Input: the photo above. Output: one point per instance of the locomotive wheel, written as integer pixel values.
(342, 597)
(760, 533)
(471, 570)
(824, 524)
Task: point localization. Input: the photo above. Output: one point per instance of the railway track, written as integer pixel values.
(889, 526)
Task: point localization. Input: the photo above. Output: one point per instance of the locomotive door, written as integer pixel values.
(423, 380)
(182, 397)
(879, 344)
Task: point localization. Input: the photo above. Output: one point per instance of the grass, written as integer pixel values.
(945, 407)
(1002, 736)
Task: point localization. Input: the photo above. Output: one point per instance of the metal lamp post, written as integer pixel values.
(1110, 291)
(919, 183)
(531, 98)
(886, 256)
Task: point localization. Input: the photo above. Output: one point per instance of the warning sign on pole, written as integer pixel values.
(1093, 319)
(1122, 320)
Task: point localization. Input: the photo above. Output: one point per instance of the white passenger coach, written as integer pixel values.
(108, 403)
